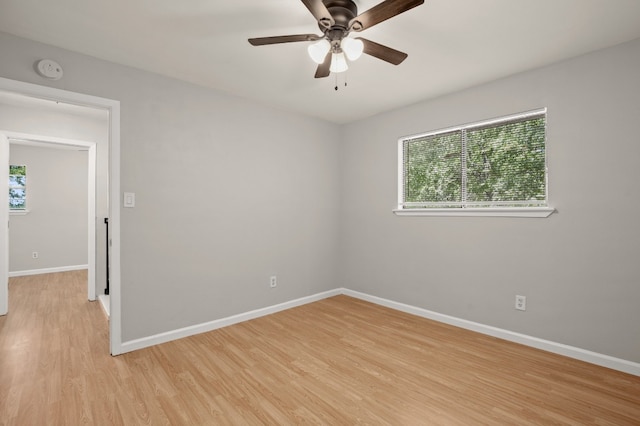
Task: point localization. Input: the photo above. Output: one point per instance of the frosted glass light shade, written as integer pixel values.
(338, 63)
(318, 51)
(352, 48)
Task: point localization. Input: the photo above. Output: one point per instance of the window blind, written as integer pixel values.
(495, 163)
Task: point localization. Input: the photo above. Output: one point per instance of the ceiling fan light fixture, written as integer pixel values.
(337, 19)
(338, 63)
(318, 51)
(352, 47)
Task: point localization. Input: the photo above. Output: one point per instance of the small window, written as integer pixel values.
(497, 165)
(17, 188)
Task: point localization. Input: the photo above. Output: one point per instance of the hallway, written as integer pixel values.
(54, 345)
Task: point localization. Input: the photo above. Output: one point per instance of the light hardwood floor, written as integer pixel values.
(340, 361)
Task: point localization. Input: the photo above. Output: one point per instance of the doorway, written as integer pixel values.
(39, 141)
(113, 109)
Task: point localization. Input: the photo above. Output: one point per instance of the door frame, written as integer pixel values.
(90, 147)
(113, 107)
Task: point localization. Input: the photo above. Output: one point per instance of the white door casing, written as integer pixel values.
(4, 223)
(113, 107)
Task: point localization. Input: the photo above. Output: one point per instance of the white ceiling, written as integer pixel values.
(452, 44)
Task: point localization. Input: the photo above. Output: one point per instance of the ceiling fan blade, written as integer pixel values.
(261, 41)
(381, 12)
(385, 53)
(320, 12)
(323, 69)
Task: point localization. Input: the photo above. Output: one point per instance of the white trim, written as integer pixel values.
(48, 270)
(115, 321)
(113, 106)
(168, 336)
(29, 139)
(546, 345)
(18, 212)
(92, 179)
(104, 302)
(4, 224)
(484, 211)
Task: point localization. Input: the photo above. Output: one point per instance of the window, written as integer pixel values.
(17, 188)
(495, 167)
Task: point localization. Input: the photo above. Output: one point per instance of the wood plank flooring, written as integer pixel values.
(340, 361)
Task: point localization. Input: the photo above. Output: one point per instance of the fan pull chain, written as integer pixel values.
(345, 80)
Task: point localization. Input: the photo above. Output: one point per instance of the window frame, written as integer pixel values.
(491, 211)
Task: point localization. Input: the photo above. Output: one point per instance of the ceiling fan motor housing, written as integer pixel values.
(342, 11)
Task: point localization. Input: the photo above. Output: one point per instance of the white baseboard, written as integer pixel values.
(48, 270)
(105, 302)
(546, 345)
(549, 346)
(168, 336)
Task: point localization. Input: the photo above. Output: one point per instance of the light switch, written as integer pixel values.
(130, 199)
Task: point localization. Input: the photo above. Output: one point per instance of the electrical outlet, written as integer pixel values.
(521, 303)
(34, 255)
(273, 281)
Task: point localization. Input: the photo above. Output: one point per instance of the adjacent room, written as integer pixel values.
(320, 211)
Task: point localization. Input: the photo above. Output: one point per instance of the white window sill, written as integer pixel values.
(18, 212)
(484, 211)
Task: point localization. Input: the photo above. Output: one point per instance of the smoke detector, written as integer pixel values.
(49, 69)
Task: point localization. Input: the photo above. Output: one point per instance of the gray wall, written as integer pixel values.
(228, 192)
(56, 225)
(58, 121)
(578, 268)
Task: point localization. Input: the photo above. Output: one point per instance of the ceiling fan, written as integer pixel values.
(337, 19)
